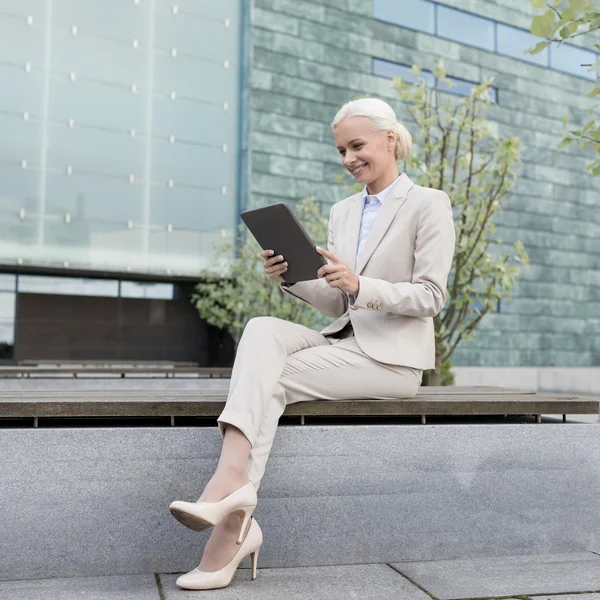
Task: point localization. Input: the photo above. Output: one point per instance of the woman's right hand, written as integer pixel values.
(274, 267)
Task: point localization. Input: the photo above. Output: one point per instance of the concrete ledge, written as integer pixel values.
(80, 502)
(572, 380)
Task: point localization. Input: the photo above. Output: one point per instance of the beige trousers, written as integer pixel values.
(279, 363)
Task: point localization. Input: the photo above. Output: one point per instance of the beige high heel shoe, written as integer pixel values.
(202, 515)
(206, 580)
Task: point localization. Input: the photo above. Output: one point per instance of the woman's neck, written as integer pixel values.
(382, 182)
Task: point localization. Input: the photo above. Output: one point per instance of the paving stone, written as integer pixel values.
(345, 582)
(116, 587)
(506, 575)
(565, 597)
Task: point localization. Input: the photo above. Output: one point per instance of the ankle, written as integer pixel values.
(232, 472)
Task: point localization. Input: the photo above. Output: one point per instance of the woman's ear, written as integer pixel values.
(391, 141)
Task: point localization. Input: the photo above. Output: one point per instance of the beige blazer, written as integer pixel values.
(403, 270)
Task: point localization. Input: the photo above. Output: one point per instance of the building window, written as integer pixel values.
(465, 28)
(410, 14)
(7, 324)
(460, 87)
(480, 32)
(141, 289)
(71, 286)
(513, 42)
(572, 60)
(8, 283)
(385, 68)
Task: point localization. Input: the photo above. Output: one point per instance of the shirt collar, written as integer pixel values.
(383, 193)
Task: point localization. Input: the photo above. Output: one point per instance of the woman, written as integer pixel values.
(390, 252)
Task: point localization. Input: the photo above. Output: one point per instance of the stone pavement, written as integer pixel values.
(574, 576)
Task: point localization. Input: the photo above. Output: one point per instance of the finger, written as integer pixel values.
(276, 276)
(267, 253)
(280, 268)
(273, 261)
(330, 268)
(332, 257)
(334, 276)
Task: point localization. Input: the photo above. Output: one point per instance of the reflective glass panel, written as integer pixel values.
(141, 289)
(7, 324)
(120, 149)
(455, 86)
(385, 68)
(575, 61)
(412, 14)
(465, 28)
(38, 284)
(513, 42)
(8, 283)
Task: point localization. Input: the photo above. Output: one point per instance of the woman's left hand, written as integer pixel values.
(338, 274)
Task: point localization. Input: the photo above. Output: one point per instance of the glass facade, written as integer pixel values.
(71, 286)
(468, 28)
(82, 286)
(7, 324)
(513, 42)
(120, 128)
(416, 14)
(458, 87)
(569, 59)
(472, 30)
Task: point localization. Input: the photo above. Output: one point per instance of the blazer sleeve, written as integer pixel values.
(332, 302)
(425, 295)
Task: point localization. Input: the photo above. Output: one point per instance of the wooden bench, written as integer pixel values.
(105, 362)
(439, 401)
(139, 371)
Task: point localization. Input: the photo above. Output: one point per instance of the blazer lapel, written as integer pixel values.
(352, 229)
(383, 220)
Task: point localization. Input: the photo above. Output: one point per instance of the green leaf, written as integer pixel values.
(569, 30)
(538, 3)
(579, 5)
(543, 25)
(588, 126)
(538, 47)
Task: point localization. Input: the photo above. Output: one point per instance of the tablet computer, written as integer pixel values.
(275, 227)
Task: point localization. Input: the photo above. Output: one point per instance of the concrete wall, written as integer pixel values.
(94, 501)
(309, 57)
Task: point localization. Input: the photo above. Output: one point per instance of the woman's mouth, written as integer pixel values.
(358, 170)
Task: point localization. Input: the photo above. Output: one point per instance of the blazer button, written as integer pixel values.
(379, 307)
(369, 305)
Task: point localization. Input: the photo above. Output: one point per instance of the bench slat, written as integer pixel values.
(209, 403)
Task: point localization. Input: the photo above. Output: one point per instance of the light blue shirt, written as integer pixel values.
(371, 206)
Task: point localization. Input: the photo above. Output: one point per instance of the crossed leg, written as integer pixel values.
(279, 363)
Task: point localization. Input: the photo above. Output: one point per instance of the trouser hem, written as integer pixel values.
(237, 420)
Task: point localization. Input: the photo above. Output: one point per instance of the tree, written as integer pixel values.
(563, 21)
(457, 151)
(229, 301)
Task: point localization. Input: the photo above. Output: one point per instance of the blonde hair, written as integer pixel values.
(382, 118)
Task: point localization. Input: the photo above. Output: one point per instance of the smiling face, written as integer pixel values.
(366, 153)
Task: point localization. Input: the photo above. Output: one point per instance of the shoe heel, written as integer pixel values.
(247, 516)
(254, 557)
